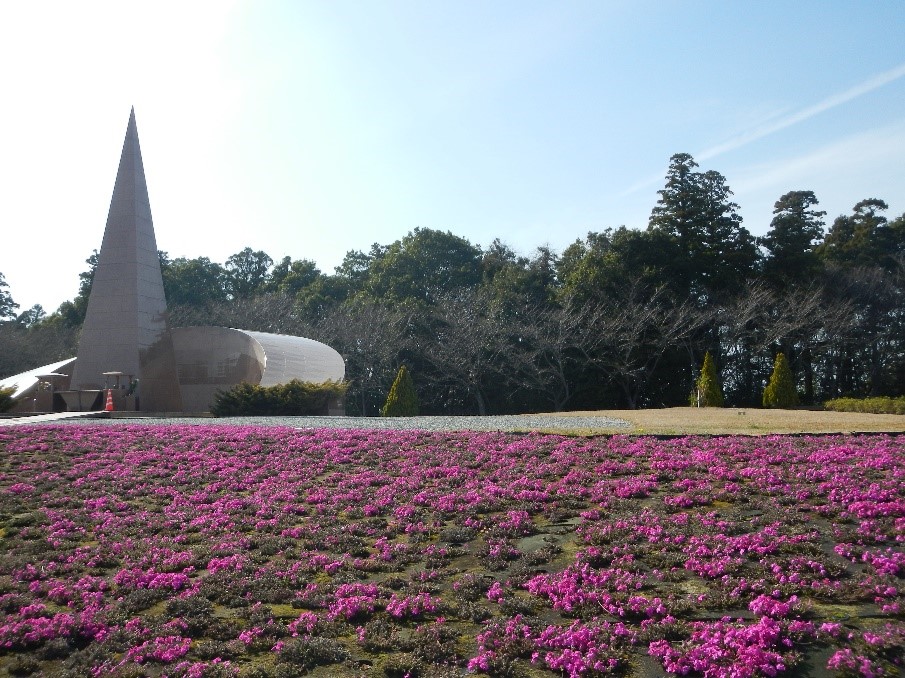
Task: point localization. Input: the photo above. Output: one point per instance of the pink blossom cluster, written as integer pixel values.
(576, 650)
(351, 600)
(413, 606)
(582, 586)
(715, 556)
(136, 578)
(728, 650)
(163, 650)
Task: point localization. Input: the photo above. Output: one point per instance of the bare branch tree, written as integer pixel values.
(556, 341)
(274, 312)
(637, 330)
(371, 337)
(470, 346)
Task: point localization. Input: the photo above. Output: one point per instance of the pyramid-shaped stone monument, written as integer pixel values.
(125, 327)
(127, 345)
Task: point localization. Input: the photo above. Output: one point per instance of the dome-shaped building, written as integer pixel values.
(126, 343)
(209, 359)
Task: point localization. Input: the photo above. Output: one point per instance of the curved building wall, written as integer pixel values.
(289, 358)
(209, 359)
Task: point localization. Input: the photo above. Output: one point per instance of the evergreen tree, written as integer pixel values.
(792, 239)
(707, 392)
(780, 391)
(728, 255)
(402, 400)
(247, 273)
(865, 239)
(7, 305)
(422, 265)
(716, 253)
(193, 282)
(73, 312)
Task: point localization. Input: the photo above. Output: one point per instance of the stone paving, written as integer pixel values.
(518, 422)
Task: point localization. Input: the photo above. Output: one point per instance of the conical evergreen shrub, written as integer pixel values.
(707, 390)
(780, 391)
(402, 400)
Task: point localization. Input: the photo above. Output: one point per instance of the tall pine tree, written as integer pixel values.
(717, 254)
(794, 232)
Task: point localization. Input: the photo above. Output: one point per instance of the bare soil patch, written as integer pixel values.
(741, 421)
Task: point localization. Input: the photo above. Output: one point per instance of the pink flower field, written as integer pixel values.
(221, 551)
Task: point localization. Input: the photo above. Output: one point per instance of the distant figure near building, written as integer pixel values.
(126, 343)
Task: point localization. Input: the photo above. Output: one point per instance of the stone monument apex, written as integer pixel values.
(125, 327)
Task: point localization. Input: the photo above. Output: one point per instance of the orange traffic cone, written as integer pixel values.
(109, 405)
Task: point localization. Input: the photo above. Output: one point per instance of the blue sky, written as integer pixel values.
(312, 128)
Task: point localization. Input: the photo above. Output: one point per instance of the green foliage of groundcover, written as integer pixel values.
(402, 400)
(294, 398)
(707, 392)
(881, 405)
(780, 391)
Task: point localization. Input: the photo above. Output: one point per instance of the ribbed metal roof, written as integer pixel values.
(288, 358)
(25, 381)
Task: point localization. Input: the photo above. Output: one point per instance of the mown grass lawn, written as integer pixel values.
(213, 550)
(740, 421)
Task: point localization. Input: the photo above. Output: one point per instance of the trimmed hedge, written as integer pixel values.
(883, 405)
(294, 398)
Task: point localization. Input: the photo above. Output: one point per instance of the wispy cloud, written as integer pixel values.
(761, 131)
(844, 160)
(827, 104)
(840, 173)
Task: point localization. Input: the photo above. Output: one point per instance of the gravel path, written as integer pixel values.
(521, 422)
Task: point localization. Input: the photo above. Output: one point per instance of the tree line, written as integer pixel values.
(620, 318)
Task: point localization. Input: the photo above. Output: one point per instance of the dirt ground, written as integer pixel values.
(709, 420)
